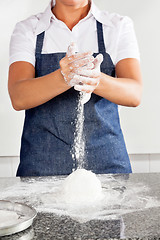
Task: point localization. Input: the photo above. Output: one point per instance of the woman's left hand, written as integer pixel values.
(88, 78)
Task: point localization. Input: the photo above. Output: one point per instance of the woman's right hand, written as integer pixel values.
(72, 62)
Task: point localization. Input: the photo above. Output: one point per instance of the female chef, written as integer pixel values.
(44, 77)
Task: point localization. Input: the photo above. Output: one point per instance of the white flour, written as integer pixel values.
(120, 197)
(78, 148)
(81, 187)
(8, 218)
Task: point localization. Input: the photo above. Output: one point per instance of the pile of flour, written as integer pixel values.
(83, 187)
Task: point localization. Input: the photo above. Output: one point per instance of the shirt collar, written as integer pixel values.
(101, 16)
(45, 17)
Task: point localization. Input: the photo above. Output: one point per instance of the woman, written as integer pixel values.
(41, 77)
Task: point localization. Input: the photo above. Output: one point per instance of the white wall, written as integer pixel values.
(11, 122)
(141, 125)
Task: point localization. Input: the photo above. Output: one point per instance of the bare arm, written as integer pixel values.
(126, 89)
(26, 91)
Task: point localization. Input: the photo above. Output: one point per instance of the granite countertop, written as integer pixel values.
(130, 208)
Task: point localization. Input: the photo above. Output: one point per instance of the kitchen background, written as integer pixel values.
(141, 126)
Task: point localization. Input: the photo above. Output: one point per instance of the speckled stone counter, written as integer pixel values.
(132, 212)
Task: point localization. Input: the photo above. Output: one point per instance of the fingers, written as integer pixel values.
(71, 49)
(79, 56)
(89, 66)
(81, 68)
(69, 66)
(98, 60)
(80, 80)
(81, 62)
(74, 81)
(92, 73)
(85, 80)
(85, 84)
(72, 55)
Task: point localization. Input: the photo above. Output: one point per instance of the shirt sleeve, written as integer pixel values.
(127, 46)
(22, 43)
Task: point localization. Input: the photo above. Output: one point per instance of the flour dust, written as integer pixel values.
(119, 197)
(78, 148)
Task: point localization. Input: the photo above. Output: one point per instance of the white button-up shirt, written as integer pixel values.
(119, 35)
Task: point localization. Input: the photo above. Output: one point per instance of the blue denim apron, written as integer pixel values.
(48, 131)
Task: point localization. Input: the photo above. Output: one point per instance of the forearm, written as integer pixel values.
(122, 91)
(33, 92)
(26, 91)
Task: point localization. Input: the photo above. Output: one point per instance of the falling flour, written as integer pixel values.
(78, 148)
(81, 186)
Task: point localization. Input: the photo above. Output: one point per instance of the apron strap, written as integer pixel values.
(101, 45)
(39, 42)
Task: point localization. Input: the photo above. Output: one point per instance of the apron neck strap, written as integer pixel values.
(39, 43)
(101, 45)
